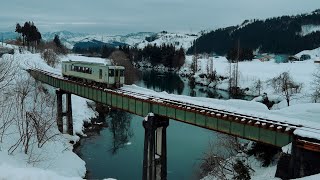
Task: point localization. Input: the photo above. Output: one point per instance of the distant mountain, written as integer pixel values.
(285, 34)
(133, 39)
(96, 44)
(8, 35)
(139, 39)
(63, 35)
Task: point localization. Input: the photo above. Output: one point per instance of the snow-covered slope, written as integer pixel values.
(55, 158)
(308, 29)
(314, 53)
(132, 39)
(178, 40)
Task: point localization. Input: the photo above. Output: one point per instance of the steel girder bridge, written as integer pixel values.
(155, 156)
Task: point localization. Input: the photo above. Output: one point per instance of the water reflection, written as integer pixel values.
(120, 128)
(169, 82)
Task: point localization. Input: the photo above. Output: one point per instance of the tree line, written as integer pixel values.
(166, 54)
(274, 35)
(30, 33)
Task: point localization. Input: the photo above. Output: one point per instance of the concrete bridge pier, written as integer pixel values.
(67, 113)
(155, 148)
(302, 161)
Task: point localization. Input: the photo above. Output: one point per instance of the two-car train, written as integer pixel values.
(107, 76)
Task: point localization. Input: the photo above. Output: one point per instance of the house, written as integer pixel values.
(281, 58)
(305, 57)
(293, 58)
(263, 57)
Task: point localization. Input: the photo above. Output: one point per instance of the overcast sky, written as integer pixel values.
(126, 16)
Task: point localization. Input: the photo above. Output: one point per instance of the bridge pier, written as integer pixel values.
(67, 113)
(303, 160)
(155, 148)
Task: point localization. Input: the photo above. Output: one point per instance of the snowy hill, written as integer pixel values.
(138, 39)
(177, 39)
(308, 29)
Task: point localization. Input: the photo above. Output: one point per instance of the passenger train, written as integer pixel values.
(107, 76)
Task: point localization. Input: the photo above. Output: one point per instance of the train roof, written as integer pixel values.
(92, 63)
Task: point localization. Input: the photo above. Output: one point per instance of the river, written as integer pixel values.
(117, 151)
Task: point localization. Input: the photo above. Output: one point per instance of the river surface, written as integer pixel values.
(117, 151)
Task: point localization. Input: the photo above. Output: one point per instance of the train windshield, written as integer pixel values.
(111, 72)
(121, 72)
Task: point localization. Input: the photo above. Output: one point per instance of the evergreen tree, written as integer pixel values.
(57, 41)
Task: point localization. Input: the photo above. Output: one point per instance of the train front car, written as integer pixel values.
(99, 74)
(116, 76)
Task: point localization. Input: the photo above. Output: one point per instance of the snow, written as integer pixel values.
(10, 172)
(76, 57)
(313, 177)
(177, 39)
(133, 39)
(308, 29)
(314, 53)
(55, 159)
(58, 160)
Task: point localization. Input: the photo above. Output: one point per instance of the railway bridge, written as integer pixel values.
(305, 153)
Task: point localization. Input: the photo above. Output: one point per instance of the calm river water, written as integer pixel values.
(117, 151)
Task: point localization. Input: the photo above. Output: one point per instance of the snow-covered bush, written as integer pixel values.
(50, 57)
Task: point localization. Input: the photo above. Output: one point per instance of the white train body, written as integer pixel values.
(97, 73)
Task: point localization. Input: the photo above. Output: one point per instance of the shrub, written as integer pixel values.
(264, 152)
(242, 171)
(50, 57)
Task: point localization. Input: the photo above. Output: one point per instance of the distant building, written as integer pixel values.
(305, 57)
(281, 58)
(293, 58)
(263, 57)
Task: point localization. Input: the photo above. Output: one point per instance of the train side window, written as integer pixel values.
(111, 72)
(121, 72)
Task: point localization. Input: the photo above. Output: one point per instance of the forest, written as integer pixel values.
(272, 35)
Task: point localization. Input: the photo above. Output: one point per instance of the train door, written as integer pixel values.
(111, 77)
(100, 73)
(117, 78)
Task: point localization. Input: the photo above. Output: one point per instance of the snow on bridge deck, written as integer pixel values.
(306, 117)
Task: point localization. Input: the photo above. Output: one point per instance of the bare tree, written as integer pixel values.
(222, 164)
(50, 57)
(7, 72)
(258, 86)
(121, 59)
(34, 115)
(316, 85)
(285, 85)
